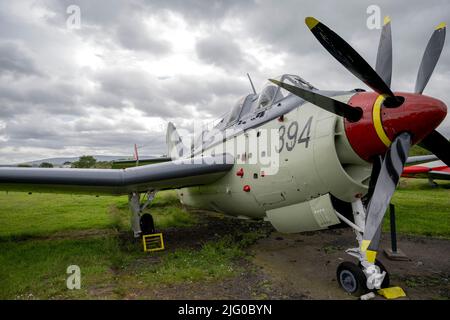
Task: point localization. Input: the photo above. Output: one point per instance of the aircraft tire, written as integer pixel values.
(147, 224)
(351, 278)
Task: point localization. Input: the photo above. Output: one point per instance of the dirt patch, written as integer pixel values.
(305, 264)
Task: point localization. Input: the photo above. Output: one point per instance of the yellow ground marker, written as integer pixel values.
(392, 293)
(153, 242)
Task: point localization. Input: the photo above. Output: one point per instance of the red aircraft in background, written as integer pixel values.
(426, 167)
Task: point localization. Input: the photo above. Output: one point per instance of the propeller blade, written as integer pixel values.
(387, 181)
(376, 168)
(430, 57)
(438, 145)
(334, 106)
(384, 55)
(347, 56)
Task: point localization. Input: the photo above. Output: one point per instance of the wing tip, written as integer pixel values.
(311, 22)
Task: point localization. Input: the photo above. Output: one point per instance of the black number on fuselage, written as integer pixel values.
(307, 130)
(292, 135)
(281, 135)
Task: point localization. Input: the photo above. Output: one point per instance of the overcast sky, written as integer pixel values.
(134, 65)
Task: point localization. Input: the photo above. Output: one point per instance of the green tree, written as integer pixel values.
(84, 162)
(46, 165)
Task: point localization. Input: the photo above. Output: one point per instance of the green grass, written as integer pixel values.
(41, 235)
(212, 261)
(23, 215)
(421, 209)
(37, 214)
(37, 269)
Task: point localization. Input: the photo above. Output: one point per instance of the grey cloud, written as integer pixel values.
(133, 35)
(219, 49)
(46, 98)
(16, 61)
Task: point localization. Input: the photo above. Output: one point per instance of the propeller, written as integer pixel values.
(386, 182)
(386, 170)
(376, 168)
(349, 58)
(438, 145)
(384, 54)
(337, 107)
(430, 57)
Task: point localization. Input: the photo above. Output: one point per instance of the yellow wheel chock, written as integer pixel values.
(392, 292)
(153, 242)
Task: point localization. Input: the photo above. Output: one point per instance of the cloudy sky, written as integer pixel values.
(131, 66)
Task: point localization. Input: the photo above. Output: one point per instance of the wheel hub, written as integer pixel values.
(348, 281)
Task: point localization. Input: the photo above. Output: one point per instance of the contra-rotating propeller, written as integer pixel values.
(387, 173)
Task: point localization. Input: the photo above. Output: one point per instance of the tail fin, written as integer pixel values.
(176, 148)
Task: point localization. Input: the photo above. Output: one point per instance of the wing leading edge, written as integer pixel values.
(160, 176)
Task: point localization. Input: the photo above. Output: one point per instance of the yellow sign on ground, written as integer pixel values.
(153, 242)
(392, 293)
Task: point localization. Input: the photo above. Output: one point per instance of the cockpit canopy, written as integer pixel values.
(269, 95)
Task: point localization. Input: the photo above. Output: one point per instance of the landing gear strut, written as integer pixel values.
(369, 273)
(141, 224)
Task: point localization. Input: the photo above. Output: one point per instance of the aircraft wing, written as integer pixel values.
(420, 159)
(435, 170)
(159, 176)
(122, 164)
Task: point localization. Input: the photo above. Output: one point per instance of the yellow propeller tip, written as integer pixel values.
(311, 22)
(441, 25)
(387, 20)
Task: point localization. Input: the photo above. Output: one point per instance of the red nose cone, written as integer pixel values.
(418, 115)
(379, 125)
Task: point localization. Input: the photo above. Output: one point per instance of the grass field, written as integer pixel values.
(40, 235)
(421, 209)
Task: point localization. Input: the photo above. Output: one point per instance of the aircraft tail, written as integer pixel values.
(176, 148)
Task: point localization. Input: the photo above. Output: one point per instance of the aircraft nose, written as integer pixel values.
(379, 125)
(418, 115)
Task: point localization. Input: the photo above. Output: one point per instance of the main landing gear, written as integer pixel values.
(141, 223)
(369, 274)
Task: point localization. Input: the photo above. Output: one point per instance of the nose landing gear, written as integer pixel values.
(353, 280)
(369, 274)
